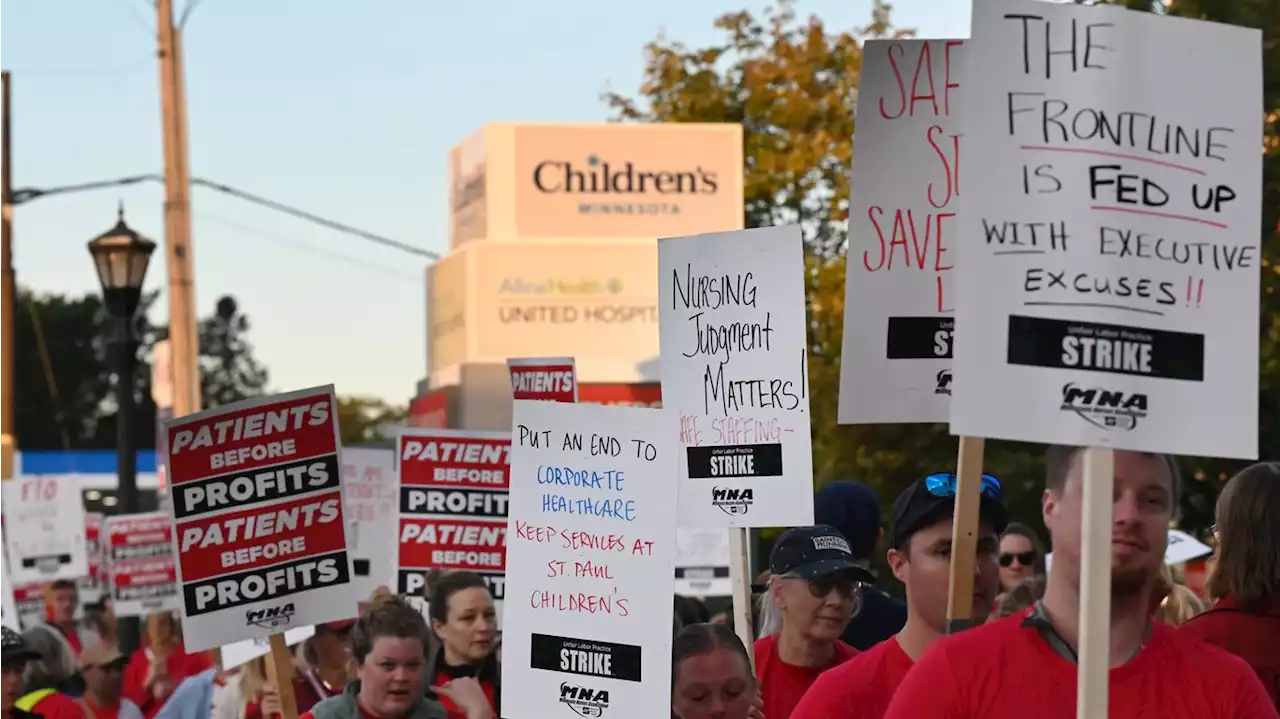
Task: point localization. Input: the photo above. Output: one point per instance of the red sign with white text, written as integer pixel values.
(139, 551)
(453, 505)
(258, 518)
(546, 379)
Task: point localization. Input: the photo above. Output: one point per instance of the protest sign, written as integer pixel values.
(31, 606)
(237, 653)
(91, 587)
(139, 553)
(552, 379)
(899, 303)
(258, 518)
(8, 608)
(592, 558)
(44, 525)
(370, 479)
(702, 562)
(735, 371)
(1109, 231)
(453, 505)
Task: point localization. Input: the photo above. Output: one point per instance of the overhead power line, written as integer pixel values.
(27, 194)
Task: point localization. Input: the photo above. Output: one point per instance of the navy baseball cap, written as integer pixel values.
(932, 498)
(814, 552)
(14, 648)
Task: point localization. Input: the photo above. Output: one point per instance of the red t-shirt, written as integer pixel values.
(179, 666)
(1252, 636)
(60, 706)
(781, 684)
(1004, 670)
(861, 688)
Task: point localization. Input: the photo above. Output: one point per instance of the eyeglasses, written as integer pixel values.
(1025, 559)
(943, 484)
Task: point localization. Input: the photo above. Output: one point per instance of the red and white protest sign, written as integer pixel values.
(144, 579)
(91, 587)
(551, 379)
(258, 521)
(453, 505)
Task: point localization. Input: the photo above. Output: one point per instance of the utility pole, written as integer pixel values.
(8, 288)
(183, 335)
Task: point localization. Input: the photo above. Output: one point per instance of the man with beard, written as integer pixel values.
(1023, 667)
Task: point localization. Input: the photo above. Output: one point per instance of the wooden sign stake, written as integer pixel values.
(964, 534)
(1095, 584)
(280, 673)
(741, 582)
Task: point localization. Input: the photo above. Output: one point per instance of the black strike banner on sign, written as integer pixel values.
(746, 460)
(585, 657)
(919, 338)
(1112, 349)
(259, 585)
(267, 484)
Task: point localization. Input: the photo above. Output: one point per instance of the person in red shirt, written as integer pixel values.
(157, 668)
(862, 687)
(1024, 666)
(327, 659)
(102, 667)
(1245, 618)
(813, 587)
(464, 625)
(62, 603)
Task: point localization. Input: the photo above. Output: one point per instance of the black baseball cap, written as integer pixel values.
(814, 552)
(13, 648)
(932, 498)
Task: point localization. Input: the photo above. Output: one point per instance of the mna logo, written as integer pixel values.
(731, 501)
(271, 617)
(1104, 408)
(584, 701)
(943, 383)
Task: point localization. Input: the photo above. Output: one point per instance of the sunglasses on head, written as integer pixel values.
(1025, 559)
(943, 484)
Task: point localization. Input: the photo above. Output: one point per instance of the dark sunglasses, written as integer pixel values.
(845, 584)
(943, 484)
(1026, 559)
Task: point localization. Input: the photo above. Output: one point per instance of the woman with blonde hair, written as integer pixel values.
(160, 665)
(1245, 581)
(1177, 602)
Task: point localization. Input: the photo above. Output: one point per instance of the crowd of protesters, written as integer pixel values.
(831, 642)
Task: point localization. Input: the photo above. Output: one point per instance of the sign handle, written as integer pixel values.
(964, 535)
(738, 577)
(1095, 584)
(280, 673)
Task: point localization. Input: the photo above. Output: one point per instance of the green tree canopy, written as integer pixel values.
(366, 420)
(793, 85)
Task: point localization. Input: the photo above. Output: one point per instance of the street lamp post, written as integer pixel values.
(120, 256)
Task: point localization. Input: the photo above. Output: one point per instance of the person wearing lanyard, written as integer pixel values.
(327, 658)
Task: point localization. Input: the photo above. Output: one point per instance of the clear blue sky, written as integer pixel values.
(347, 109)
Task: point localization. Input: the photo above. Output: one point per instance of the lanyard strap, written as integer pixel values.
(1038, 619)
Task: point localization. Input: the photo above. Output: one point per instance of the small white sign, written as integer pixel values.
(591, 547)
(735, 372)
(702, 563)
(44, 524)
(371, 491)
(1109, 233)
(899, 318)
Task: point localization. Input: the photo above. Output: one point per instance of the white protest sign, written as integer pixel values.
(735, 371)
(1109, 234)
(9, 608)
(370, 480)
(258, 518)
(895, 363)
(144, 575)
(702, 563)
(44, 524)
(237, 653)
(591, 548)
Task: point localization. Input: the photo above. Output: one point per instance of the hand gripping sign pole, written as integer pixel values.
(964, 534)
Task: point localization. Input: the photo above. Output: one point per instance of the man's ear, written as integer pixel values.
(898, 564)
(1048, 507)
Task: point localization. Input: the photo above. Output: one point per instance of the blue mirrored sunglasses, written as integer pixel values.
(943, 484)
